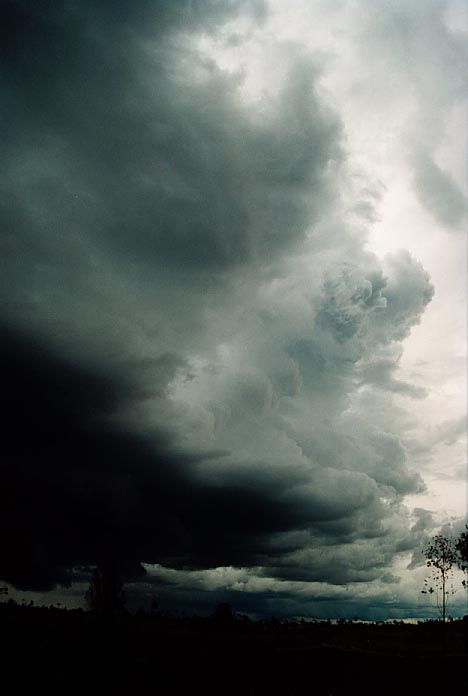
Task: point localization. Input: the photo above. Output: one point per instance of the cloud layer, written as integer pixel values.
(200, 356)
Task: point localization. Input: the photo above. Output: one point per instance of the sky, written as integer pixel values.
(233, 301)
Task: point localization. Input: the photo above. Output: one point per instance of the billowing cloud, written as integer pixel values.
(196, 338)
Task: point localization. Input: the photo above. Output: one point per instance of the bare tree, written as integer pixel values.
(441, 556)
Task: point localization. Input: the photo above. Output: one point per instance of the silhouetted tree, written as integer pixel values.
(154, 606)
(440, 557)
(462, 553)
(223, 613)
(105, 593)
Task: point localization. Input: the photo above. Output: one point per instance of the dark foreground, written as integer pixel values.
(53, 651)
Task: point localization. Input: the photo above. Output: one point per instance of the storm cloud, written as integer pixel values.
(196, 340)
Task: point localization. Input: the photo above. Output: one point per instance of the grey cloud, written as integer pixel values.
(407, 293)
(152, 376)
(446, 433)
(450, 431)
(349, 298)
(330, 495)
(257, 596)
(400, 36)
(439, 193)
(143, 181)
(413, 61)
(339, 564)
(155, 174)
(362, 306)
(424, 527)
(381, 374)
(424, 520)
(391, 468)
(350, 445)
(179, 311)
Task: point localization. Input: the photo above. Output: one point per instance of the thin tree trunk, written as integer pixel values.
(443, 597)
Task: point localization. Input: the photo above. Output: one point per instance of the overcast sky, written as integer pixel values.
(233, 300)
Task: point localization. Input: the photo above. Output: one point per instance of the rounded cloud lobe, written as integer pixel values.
(190, 319)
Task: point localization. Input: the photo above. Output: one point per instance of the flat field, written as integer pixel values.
(55, 651)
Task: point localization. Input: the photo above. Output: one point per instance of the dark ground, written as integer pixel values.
(54, 651)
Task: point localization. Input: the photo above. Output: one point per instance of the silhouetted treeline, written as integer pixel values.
(52, 650)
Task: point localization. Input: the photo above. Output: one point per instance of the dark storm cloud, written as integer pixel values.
(113, 158)
(184, 328)
(73, 486)
(77, 490)
(111, 141)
